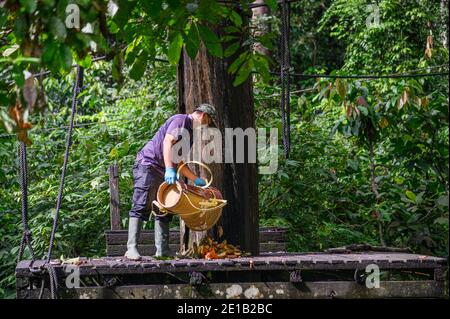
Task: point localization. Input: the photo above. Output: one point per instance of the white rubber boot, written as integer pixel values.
(134, 230)
(162, 238)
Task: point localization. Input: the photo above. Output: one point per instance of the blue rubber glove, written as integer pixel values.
(170, 176)
(199, 182)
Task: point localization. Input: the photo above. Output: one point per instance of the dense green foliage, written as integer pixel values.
(369, 158)
(53, 34)
(110, 128)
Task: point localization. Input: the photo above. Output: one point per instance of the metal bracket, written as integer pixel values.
(295, 276)
(196, 278)
(439, 274)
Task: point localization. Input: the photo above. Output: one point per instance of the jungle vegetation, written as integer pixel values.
(369, 158)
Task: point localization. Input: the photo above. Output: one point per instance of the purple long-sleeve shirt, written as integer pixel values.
(152, 153)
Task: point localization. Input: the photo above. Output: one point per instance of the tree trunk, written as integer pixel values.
(262, 26)
(206, 80)
(444, 22)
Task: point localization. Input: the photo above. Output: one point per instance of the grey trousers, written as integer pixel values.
(146, 181)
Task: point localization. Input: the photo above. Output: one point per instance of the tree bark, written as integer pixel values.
(206, 80)
(444, 22)
(262, 27)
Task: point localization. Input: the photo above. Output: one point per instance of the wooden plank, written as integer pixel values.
(366, 247)
(145, 250)
(114, 200)
(184, 237)
(272, 247)
(146, 237)
(257, 290)
(272, 235)
(115, 237)
(277, 262)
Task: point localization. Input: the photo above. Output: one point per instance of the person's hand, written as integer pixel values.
(170, 176)
(199, 182)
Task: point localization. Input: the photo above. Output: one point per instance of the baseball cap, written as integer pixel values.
(210, 110)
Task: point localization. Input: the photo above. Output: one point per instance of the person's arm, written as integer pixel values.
(170, 175)
(168, 142)
(186, 171)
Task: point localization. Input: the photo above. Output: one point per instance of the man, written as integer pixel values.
(154, 165)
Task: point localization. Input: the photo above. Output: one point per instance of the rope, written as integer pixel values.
(122, 119)
(26, 236)
(94, 59)
(208, 183)
(214, 203)
(253, 5)
(285, 61)
(54, 286)
(369, 76)
(49, 267)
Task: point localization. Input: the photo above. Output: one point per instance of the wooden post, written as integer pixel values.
(114, 202)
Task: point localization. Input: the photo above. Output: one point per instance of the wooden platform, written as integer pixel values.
(276, 275)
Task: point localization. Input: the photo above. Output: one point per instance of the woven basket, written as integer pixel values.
(199, 207)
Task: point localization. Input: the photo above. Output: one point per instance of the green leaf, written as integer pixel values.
(7, 121)
(363, 110)
(236, 18)
(125, 148)
(175, 49)
(244, 72)
(210, 10)
(29, 5)
(265, 40)
(441, 220)
(27, 59)
(232, 49)
(411, 195)
(123, 13)
(58, 29)
(86, 62)
(117, 69)
(57, 56)
(341, 87)
(211, 41)
(237, 63)
(174, 4)
(228, 38)
(20, 26)
(13, 48)
(49, 53)
(231, 29)
(133, 50)
(138, 67)
(262, 66)
(113, 154)
(3, 17)
(271, 3)
(19, 77)
(193, 41)
(152, 7)
(443, 201)
(65, 57)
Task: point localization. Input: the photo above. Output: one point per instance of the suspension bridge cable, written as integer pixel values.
(369, 76)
